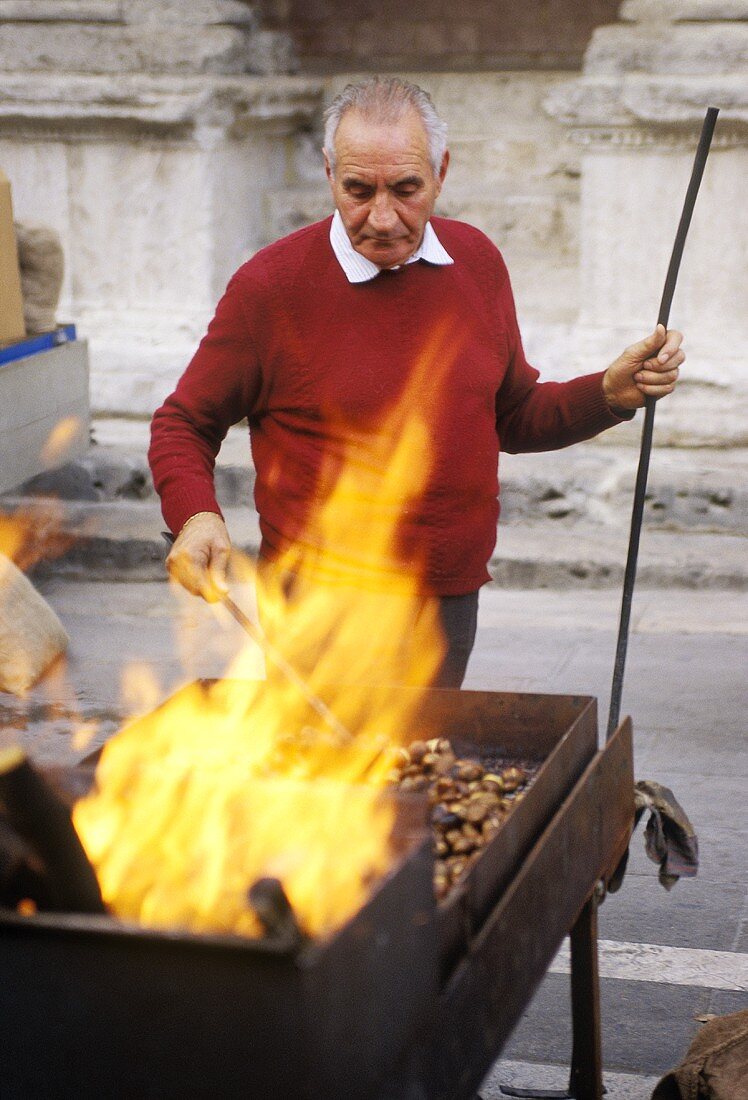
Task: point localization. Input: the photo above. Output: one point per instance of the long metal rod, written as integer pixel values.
(275, 657)
(640, 488)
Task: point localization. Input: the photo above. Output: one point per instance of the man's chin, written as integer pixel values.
(384, 254)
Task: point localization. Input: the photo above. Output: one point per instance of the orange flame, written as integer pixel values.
(224, 785)
(61, 439)
(34, 533)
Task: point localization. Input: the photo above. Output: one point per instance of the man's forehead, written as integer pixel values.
(361, 141)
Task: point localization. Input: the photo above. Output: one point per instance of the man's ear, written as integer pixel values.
(328, 167)
(443, 167)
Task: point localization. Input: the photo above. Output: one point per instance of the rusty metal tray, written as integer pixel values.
(558, 733)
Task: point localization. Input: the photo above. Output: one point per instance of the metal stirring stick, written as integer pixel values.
(273, 654)
(640, 488)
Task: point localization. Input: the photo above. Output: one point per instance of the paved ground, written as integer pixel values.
(685, 689)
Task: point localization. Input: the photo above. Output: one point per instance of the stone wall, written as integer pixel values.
(149, 135)
(437, 35)
(635, 114)
(168, 142)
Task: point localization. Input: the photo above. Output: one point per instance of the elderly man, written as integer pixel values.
(322, 334)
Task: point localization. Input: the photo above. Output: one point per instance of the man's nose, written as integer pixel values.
(382, 215)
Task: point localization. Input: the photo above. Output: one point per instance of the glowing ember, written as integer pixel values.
(221, 787)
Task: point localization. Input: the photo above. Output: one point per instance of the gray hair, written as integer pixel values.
(387, 99)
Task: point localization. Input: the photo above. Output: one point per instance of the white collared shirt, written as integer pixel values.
(360, 270)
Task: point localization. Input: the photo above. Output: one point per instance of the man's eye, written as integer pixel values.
(405, 192)
(358, 192)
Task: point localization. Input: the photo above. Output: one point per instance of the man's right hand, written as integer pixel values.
(199, 557)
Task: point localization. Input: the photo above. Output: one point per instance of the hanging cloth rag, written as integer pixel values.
(669, 837)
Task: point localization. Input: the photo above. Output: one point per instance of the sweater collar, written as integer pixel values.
(360, 270)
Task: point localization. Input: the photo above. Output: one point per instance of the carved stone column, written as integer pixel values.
(636, 111)
(149, 135)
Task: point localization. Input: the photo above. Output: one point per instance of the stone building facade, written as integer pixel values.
(437, 35)
(168, 141)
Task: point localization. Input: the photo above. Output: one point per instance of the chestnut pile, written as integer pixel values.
(469, 802)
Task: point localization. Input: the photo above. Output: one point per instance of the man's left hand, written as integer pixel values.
(646, 369)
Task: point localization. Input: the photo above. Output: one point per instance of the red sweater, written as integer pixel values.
(314, 362)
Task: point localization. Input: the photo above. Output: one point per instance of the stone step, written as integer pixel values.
(565, 515)
(688, 489)
(120, 540)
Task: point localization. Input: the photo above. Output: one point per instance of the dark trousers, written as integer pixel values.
(459, 618)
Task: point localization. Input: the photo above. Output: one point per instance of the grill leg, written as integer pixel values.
(586, 1077)
(586, 1081)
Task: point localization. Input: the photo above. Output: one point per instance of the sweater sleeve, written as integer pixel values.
(543, 416)
(219, 387)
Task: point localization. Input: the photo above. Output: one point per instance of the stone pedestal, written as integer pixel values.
(636, 112)
(150, 136)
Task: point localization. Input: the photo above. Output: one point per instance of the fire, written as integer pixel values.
(34, 533)
(196, 802)
(61, 439)
(227, 784)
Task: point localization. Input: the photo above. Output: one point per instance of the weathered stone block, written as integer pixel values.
(650, 11)
(683, 49)
(635, 113)
(202, 13)
(157, 212)
(61, 11)
(292, 208)
(107, 48)
(198, 12)
(270, 53)
(41, 261)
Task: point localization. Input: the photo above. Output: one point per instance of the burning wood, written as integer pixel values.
(275, 912)
(39, 817)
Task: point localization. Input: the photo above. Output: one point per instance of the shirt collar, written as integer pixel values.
(360, 270)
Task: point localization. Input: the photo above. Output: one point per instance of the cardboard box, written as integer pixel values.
(11, 303)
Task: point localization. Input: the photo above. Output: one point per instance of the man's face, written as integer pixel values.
(384, 185)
